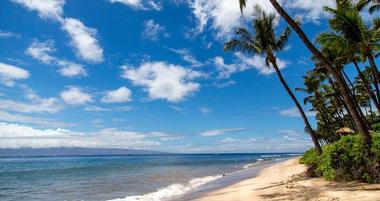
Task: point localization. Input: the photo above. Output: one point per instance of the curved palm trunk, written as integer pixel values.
(341, 102)
(367, 87)
(373, 65)
(360, 124)
(353, 95)
(376, 75)
(304, 117)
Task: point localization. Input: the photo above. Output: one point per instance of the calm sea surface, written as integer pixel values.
(123, 178)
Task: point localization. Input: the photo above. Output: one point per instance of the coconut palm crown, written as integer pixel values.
(263, 42)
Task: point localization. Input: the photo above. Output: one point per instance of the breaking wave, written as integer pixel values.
(171, 190)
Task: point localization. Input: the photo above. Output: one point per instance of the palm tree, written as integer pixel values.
(374, 5)
(353, 108)
(265, 42)
(350, 26)
(345, 52)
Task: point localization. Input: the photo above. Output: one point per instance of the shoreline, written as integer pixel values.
(287, 180)
(227, 179)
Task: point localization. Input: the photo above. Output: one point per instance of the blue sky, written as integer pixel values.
(146, 75)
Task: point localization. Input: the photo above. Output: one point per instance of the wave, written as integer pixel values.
(270, 156)
(171, 190)
(246, 166)
(249, 165)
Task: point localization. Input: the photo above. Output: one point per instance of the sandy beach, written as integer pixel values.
(287, 181)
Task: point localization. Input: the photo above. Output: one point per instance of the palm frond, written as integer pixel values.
(376, 23)
(361, 4)
(241, 46)
(375, 7)
(332, 41)
(281, 41)
(242, 4)
(244, 34)
(349, 23)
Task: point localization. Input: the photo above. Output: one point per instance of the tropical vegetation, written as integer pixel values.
(347, 136)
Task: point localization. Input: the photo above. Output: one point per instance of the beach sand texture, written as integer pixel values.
(287, 181)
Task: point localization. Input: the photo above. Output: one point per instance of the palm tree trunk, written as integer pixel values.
(341, 102)
(351, 106)
(367, 86)
(349, 82)
(304, 117)
(373, 65)
(376, 74)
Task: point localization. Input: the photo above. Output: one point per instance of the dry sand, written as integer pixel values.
(287, 181)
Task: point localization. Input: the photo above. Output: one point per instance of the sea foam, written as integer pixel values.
(171, 190)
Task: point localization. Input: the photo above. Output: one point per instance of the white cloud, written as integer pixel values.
(217, 132)
(75, 96)
(139, 4)
(223, 15)
(10, 73)
(163, 80)
(93, 108)
(243, 63)
(258, 62)
(42, 105)
(7, 34)
(19, 118)
(42, 52)
(187, 56)
(35, 104)
(47, 9)
(225, 70)
(289, 132)
(70, 69)
(205, 110)
(239, 140)
(293, 112)
(309, 9)
(21, 136)
(164, 136)
(83, 39)
(120, 95)
(153, 31)
(125, 108)
(176, 108)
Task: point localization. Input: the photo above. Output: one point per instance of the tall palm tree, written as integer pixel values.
(353, 108)
(265, 42)
(374, 5)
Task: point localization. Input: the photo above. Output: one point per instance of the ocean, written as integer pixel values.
(124, 178)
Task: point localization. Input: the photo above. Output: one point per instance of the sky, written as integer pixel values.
(147, 75)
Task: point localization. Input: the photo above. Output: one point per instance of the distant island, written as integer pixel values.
(74, 151)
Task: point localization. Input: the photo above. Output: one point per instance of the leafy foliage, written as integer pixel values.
(346, 159)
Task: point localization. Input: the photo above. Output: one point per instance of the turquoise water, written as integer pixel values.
(138, 177)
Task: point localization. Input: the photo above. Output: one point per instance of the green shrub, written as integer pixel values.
(376, 127)
(346, 159)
